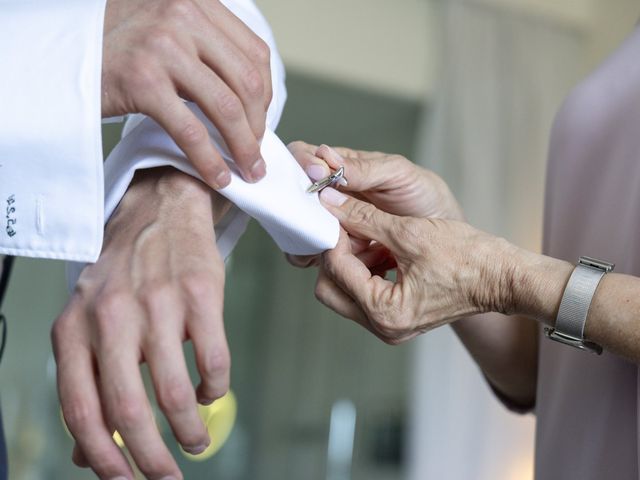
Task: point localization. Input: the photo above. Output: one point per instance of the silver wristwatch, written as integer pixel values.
(576, 300)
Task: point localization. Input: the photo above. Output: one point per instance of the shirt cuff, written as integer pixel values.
(51, 193)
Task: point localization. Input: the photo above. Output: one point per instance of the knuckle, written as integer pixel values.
(253, 83)
(153, 296)
(199, 288)
(76, 413)
(109, 307)
(175, 396)
(260, 51)
(129, 411)
(363, 214)
(247, 153)
(59, 330)
(409, 234)
(180, 9)
(216, 362)
(229, 106)
(192, 133)
(161, 42)
(142, 77)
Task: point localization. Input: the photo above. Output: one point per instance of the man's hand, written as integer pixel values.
(157, 52)
(158, 282)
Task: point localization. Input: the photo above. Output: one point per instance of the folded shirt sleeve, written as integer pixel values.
(51, 177)
(296, 220)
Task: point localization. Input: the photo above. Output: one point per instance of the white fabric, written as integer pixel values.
(295, 219)
(51, 184)
(51, 178)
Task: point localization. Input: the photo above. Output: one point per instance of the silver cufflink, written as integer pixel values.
(334, 178)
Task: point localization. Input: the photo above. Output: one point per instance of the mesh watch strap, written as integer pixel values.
(576, 300)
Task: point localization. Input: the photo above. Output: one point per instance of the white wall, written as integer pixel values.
(382, 45)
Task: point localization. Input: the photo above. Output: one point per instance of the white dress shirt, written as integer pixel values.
(51, 175)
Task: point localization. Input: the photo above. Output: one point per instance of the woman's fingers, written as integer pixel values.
(361, 219)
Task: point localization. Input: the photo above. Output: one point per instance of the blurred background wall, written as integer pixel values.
(465, 87)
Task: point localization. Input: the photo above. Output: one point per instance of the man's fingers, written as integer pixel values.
(226, 111)
(229, 62)
(123, 393)
(79, 458)
(204, 296)
(191, 136)
(81, 404)
(174, 391)
(253, 47)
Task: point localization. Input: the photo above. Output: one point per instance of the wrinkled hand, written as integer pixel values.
(390, 182)
(158, 282)
(159, 51)
(446, 270)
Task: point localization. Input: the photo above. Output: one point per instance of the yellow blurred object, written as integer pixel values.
(219, 418)
(116, 436)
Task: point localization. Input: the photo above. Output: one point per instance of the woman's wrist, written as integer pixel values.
(532, 284)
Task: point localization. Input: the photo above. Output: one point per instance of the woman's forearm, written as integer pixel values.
(613, 321)
(506, 350)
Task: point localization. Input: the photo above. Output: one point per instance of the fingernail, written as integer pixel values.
(205, 401)
(316, 172)
(258, 170)
(195, 450)
(223, 179)
(333, 197)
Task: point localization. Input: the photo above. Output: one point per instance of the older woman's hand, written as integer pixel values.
(391, 182)
(445, 270)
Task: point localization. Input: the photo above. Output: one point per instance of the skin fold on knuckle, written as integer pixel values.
(253, 84)
(180, 10)
(175, 397)
(192, 134)
(229, 106)
(259, 51)
(108, 310)
(76, 412)
(215, 366)
(128, 411)
(202, 289)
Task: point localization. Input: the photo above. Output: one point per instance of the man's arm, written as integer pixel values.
(159, 281)
(54, 62)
